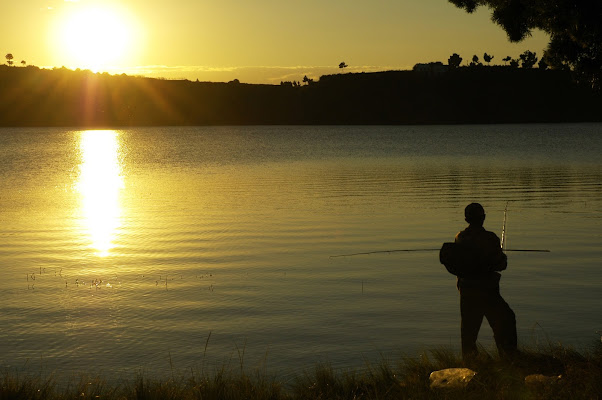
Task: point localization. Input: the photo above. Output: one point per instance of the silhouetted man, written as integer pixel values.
(479, 288)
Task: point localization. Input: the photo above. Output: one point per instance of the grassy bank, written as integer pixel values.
(407, 378)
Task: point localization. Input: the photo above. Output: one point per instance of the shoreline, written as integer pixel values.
(554, 372)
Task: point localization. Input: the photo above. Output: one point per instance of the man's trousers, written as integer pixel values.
(476, 303)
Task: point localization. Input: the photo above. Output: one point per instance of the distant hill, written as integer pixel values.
(30, 96)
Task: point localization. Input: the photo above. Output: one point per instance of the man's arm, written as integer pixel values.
(502, 262)
(499, 260)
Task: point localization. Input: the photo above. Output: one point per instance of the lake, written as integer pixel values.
(147, 249)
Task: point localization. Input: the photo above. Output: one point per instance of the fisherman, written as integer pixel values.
(479, 289)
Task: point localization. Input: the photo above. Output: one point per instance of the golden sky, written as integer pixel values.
(258, 41)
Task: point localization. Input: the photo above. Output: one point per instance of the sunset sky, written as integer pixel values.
(260, 41)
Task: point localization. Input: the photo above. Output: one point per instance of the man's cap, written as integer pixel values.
(474, 210)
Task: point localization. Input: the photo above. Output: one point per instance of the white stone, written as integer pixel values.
(451, 378)
(541, 380)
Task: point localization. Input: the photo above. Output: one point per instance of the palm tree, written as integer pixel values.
(9, 58)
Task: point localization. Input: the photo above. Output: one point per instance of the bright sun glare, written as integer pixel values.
(100, 184)
(95, 37)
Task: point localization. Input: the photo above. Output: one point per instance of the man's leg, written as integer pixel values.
(471, 311)
(502, 320)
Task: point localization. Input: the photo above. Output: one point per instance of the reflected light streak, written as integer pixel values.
(100, 184)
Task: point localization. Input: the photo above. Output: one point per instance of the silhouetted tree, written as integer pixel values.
(9, 58)
(23, 62)
(542, 64)
(306, 80)
(487, 58)
(528, 59)
(574, 27)
(506, 59)
(514, 63)
(454, 60)
(343, 65)
(475, 61)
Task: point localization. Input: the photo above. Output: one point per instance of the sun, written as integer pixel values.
(95, 38)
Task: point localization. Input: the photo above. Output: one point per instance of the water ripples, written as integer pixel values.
(228, 231)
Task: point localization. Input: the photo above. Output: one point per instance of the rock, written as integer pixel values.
(451, 378)
(539, 380)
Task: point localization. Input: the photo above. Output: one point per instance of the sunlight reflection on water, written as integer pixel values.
(100, 184)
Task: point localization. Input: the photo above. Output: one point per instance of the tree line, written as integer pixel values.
(31, 96)
(527, 59)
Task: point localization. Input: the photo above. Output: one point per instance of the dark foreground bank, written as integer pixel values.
(31, 96)
(575, 376)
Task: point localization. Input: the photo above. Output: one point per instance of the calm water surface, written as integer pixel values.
(147, 248)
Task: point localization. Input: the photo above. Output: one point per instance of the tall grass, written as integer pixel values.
(406, 378)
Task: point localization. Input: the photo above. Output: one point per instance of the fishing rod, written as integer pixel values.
(419, 250)
(502, 244)
(382, 251)
(504, 227)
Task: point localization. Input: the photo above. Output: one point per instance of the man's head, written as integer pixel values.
(474, 214)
